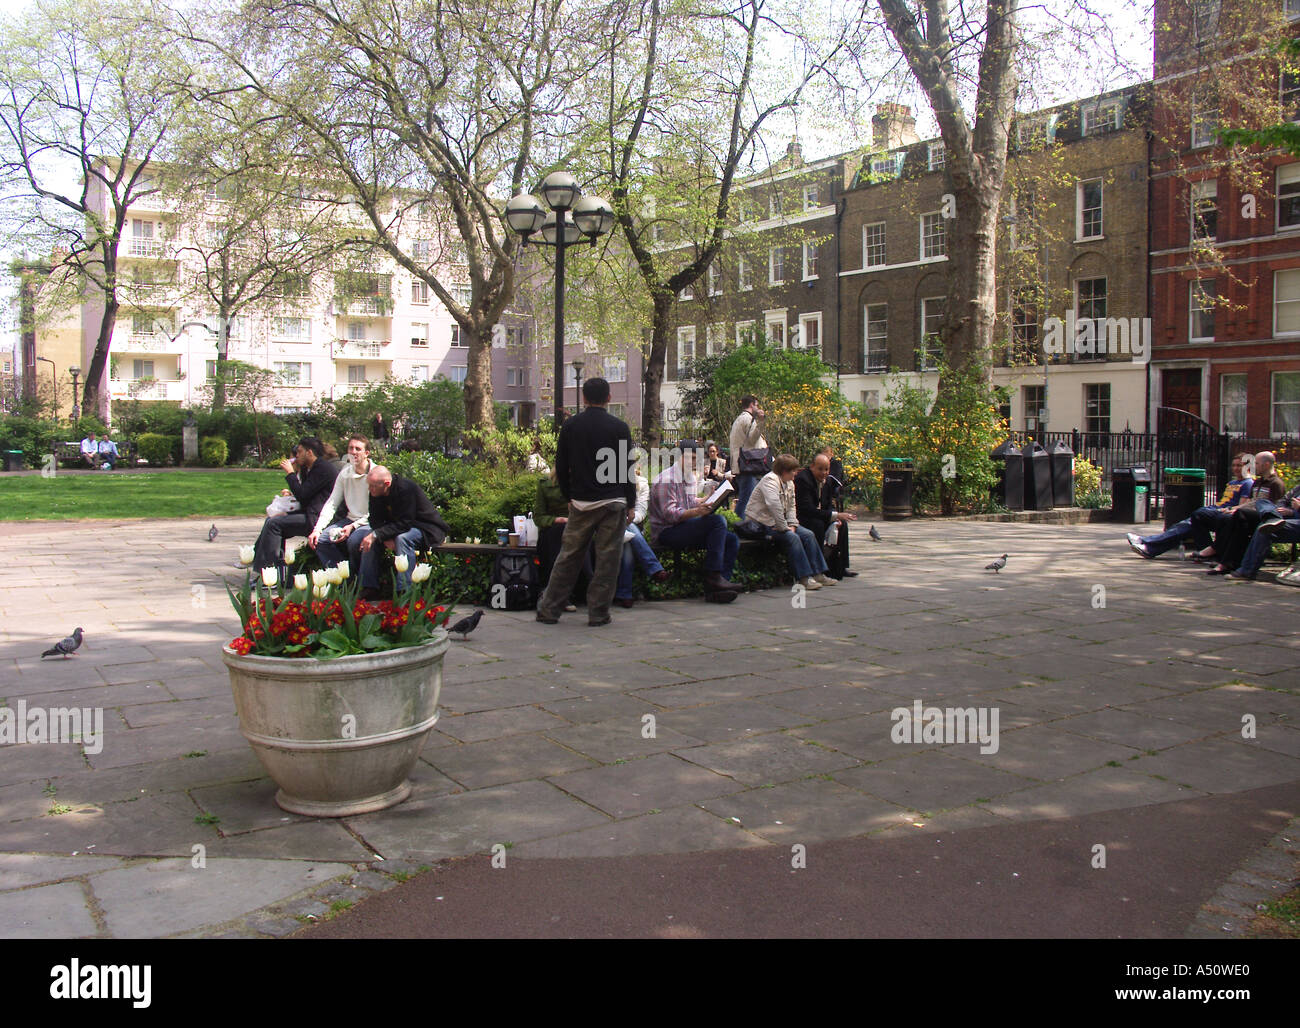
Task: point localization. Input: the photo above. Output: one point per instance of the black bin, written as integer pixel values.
(1129, 495)
(13, 460)
(1184, 492)
(1062, 475)
(896, 487)
(1010, 490)
(1038, 477)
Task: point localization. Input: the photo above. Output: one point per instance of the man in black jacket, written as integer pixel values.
(311, 480)
(403, 519)
(814, 496)
(601, 504)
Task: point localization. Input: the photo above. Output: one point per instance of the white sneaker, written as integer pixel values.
(825, 580)
(811, 584)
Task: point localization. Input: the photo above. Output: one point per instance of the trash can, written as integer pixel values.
(1129, 493)
(896, 487)
(1184, 492)
(1010, 490)
(1062, 475)
(13, 460)
(1038, 477)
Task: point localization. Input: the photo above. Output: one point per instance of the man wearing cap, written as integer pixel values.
(679, 521)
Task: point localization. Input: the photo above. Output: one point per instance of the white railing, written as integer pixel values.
(363, 348)
(143, 389)
(146, 248)
(374, 306)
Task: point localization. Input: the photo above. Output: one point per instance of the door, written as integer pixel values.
(1181, 388)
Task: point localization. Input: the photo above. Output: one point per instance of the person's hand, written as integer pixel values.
(285, 492)
(367, 542)
(313, 539)
(631, 515)
(561, 521)
(700, 511)
(287, 467)
(792, 528)
(844, 515)
(347, 531)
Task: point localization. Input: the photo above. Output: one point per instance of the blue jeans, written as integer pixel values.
(329, 554)
(1199, 526)
(744, 489)
(1287, 532)
(802, 550)
(407, 545)
(635, 550)
(709, 533)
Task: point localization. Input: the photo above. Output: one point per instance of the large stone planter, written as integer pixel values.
(339, 736)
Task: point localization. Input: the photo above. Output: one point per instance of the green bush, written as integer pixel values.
(34, 436)
(155, 449)
(442, 478)
(212, 452)
(493, 496)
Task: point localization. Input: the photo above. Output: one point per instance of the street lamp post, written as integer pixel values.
(592, 217)
(577, 382)
(75, 371)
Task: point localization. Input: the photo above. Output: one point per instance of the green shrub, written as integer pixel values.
(34, 436)
(442, 478)
(491, 498)
(154, 448)
(212, 452)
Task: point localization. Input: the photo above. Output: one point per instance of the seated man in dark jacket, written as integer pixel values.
(814, 495)
(311, 480)
(403, 519)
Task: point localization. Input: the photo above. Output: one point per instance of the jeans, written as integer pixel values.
(635, 550)
(744, 489)
(1287, 532)
(329, 554)
(1203, 521)
(605, 525)
(269, 551)
(407, 543)
(709, 533)
(802, 549)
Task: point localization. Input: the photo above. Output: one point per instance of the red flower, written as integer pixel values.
(242, 646)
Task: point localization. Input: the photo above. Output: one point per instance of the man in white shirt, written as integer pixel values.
(108, 455)
(90, 450)
(746, 434)
(351, 523)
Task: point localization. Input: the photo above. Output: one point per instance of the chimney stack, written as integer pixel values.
(893, 126)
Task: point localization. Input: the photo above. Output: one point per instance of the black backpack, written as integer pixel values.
(514, 581)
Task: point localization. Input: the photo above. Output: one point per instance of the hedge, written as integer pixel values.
(212, 452)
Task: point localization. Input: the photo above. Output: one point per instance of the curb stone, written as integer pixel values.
(1270, 873)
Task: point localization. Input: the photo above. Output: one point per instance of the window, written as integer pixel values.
(420, 333)
(1024, 329)
(1286, 303)
(1288, 196)
(774, 327)
(685, 347)
(1232, 403)
(934, 242)
(293, 330)
(715, 281)
(1203, 293)
(1292, 9)
(1091, 299)
(810, 197)
(356, 330)
(810, 332)
(419, 292)
(873, 245)
(458, 374)
(776, 266)
(1205, 210)
(1096, 407)
(1023, 235)
(1286, 403)
(419, 372)
(936, 157)
(615, 370)
(455, 337)
(1035, 398)
(744, 332)
(687, 292)
(809, 261)
(875, 354)
(1289, 94)
(744, 280)
(292, 373)
(356, 374)
(143, 243)
(420, 251)
(713, 339)
(512, 376)
(1100, 117)
(1205, 121)
(930, 349)
(1034, 132)
(1089, 207)
(210, 370)
(617, 410)
(885, 167)
(142, 324)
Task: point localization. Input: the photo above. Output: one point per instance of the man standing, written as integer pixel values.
(403, 519)
(310, 478)
(814, 494)
(746, 434)
(598, 508)
(353, 522)
(679, 521)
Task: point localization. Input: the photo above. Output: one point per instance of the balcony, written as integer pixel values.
(146, 389)
(143, 342)
(145, 248)
(361, 349)
(371, 307)
(875, 362)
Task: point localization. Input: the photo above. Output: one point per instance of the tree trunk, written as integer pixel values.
(653, 374)
(223, 355)
(972, 294)
(480, 412)
(92, 396)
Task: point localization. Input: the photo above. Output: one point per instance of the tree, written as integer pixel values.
(86, 106)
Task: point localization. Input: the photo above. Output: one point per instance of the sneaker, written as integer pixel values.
(1137, 545)
(825, 580)
(1271, 523)
(569, 608)
(811, 584)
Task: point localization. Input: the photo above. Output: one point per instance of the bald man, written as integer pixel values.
(402, 519)
(814, 496)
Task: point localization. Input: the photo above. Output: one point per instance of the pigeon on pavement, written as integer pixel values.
(874, 534)
(66, 647)
(212, 533)
(997, 565)
(466, 625)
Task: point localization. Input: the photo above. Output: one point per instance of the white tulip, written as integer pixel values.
(270, 577)
(401, 563)
(290, 552)
(345, 572)
(319, 578)
(321, 591)
(421, 572)
(247, 554)
(300, 582)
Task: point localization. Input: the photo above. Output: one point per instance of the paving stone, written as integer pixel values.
(767, 759)
(807, 811)
(18, 870)
(1221, 709)
(1103, 789)
(49, 912)
(514, 759)
(1220, 765)
(243, 806)
(1045, 752)
(525, 687)
(1128, 728)
(714, 690)
(160, 825)
(659, 782)
(126, 746)
(497, 724)
(680, 830)
(166, 713)
(324, 839)
(588, 710)
(931, 781)
(619, 739)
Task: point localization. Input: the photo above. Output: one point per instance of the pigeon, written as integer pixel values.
(997, 565)
(466, 625)
(874, 534)
(67, 647)
(212, 534)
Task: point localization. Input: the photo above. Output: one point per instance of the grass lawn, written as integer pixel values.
(164, 494)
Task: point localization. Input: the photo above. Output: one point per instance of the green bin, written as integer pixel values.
(13, 460)
(1184, 492)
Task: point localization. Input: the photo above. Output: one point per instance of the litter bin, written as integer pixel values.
(1038, 477)
(896, 487)
(13, 460)
(1129, 493)
(1011, 476)
(1062, 475)
(1184, 492)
